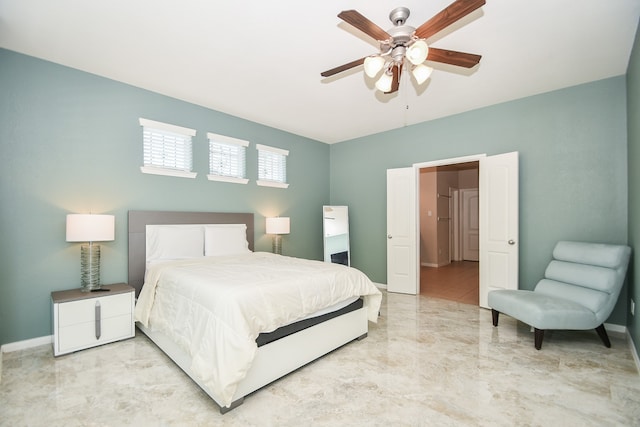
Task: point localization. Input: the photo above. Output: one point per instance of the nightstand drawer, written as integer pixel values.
(71, 313)
(83, 335)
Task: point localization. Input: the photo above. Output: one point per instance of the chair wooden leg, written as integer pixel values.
(602, 333)
(494, 316)
(538, 335)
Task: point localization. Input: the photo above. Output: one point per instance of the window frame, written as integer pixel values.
(214, 138)
(166, 129)
(273, 150)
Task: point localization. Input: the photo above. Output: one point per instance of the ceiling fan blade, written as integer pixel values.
(395, 83)
(356, 19)
(343, 67)
(455, 11)
(460, 59)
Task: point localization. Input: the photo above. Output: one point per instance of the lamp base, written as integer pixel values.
(277, 244)
(89, 267)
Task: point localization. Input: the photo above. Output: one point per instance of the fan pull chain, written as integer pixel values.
(405, 82)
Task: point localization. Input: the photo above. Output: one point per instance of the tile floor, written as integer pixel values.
(427, 362)
(457, 281)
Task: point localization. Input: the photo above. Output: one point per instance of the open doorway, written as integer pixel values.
(498, 215)
(449, 232)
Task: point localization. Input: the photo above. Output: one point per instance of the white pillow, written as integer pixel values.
(165, 242)
(225, 239)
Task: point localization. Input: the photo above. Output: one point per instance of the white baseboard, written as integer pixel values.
(432, 265)
(23, 345)
(610, 327)
(380, 285)
(634, 352)
(428, 264)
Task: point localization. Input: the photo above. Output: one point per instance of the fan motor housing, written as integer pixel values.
(401, 35)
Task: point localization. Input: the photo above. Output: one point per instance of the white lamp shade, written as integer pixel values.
(373, 65)
(421, 73)
(417, 53)
(90, 228)
(278, 225)
(384, 82)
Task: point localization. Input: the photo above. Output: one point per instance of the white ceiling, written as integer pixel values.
(261, 60)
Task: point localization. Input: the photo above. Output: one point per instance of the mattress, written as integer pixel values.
(201, 303)
(309, 321)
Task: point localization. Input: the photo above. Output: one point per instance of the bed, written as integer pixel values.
(266, 316)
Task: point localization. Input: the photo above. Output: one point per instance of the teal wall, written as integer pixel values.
(70, 142)
(572, 146)
(633, 126)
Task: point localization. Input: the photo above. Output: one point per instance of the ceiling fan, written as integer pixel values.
(404, 45)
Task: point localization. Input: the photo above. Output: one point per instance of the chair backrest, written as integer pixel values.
(590, 274)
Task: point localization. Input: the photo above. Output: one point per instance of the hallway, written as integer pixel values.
(457, 281)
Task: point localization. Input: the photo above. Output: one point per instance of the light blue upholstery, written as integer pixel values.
(580, 287)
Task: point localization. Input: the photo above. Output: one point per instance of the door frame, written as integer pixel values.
(451, 161)
(441, 162)
(481, 159)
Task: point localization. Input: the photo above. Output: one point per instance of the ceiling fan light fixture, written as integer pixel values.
(384, 82)
(373, 65)
(405, 47)
(417, 52)
(421, 73)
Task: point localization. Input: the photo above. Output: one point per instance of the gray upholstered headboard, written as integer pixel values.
(138, 221)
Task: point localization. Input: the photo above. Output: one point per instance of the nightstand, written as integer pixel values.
(86, 319)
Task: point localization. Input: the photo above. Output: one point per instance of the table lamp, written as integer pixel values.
(277, 226)
(90, 228)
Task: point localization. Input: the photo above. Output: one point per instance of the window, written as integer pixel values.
(227, 159)
(272, 166)
(167, 149)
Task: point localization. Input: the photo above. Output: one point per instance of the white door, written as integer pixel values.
(402, 231)
(498, 224)
(456, 242)
(470, 225)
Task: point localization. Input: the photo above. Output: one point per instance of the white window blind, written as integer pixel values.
(272, 166)
(227, 159)
(167, 149)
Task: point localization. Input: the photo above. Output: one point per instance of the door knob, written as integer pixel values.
(511, 242)
(388, 236)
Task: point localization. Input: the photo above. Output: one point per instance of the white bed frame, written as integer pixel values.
(273, 360)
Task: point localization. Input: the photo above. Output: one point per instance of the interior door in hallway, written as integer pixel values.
(470, 225)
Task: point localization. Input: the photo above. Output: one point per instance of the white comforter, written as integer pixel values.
(215, 307)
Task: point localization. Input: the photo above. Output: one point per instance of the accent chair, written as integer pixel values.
(578, 292)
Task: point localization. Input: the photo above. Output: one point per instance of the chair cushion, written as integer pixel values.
(588, 276)
(542, 311)
(591, 299)
(600, 254)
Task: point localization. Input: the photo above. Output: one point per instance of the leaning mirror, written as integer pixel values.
(336, 234)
